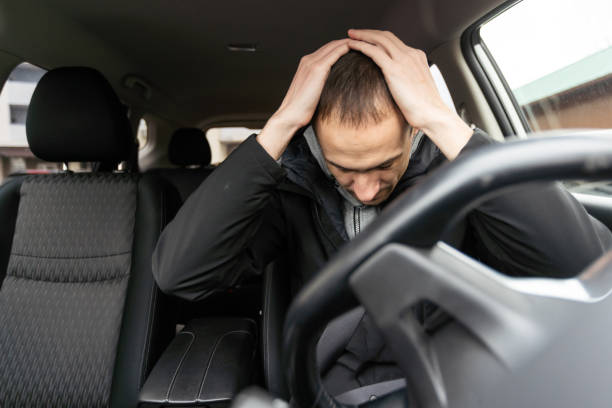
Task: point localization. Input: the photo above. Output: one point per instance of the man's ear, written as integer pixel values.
(410, 131)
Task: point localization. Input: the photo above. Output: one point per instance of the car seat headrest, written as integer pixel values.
(75, 115)
(189, 147)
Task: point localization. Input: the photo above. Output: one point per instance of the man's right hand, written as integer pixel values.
(302, 98)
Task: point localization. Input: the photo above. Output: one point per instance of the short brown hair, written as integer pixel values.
(355, 92)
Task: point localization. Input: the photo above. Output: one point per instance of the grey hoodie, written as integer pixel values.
(357, 216)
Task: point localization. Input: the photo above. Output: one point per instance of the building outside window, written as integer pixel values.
(15, 156)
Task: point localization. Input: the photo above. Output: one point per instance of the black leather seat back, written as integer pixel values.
(276, 299)
(148, 318)
(78, 303)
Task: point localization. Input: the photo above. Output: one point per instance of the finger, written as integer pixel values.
(325, 49)
(394, 39)
(378, 55)
(376, 37)
(334, 54)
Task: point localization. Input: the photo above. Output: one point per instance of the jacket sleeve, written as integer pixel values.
(538, 229)
(230, 227)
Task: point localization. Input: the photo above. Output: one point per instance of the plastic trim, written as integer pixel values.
(488, 76)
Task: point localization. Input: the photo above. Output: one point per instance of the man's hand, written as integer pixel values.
(302, 98)
(407, 74)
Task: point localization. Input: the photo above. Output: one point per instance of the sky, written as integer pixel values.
(537, 37)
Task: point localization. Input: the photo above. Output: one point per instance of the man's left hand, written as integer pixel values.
(413, 88)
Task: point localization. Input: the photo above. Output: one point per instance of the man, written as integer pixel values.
(349, 137)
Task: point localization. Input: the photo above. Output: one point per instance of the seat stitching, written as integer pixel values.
(150, 325)
(152, 303)
(59, 281)
(178, 367)
(212, 355)
(71, 257)
(150, 317)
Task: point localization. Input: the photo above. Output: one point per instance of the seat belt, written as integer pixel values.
(336, 336)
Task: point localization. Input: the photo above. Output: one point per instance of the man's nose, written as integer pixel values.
(366, 187)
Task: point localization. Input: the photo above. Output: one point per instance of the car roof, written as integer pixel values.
(171, 57)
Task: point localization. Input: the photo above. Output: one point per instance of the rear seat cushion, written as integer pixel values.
(184, 180)
(189, 147)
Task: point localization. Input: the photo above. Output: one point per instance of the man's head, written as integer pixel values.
(364, 137)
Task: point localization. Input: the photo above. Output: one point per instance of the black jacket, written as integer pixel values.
(251, 210)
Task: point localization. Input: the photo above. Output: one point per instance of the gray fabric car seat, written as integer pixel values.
(190, 151)
(81, 319)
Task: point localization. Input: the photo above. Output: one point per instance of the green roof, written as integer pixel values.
(587, 69)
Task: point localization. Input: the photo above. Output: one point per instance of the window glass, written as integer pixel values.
(557, 59)
(15, 156)
(142, 134)
(27, 73)
(223, 140)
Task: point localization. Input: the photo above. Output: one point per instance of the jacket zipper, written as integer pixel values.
(356, 220)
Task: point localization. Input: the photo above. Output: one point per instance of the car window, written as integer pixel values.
(557, 61)
(223, 140)
(15, 156)
(142, 134)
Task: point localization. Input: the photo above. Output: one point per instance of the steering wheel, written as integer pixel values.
(511, 338)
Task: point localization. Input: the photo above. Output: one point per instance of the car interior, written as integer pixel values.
(82, 321)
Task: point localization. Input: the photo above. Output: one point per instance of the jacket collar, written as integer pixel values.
(304, 171)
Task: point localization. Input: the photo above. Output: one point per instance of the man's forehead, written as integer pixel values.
(362, 166)
(363, 147)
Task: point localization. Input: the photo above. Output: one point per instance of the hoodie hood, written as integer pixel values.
(304, 170)
(315, 150)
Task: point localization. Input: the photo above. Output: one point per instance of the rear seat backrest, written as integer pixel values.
(190, 150)
(79, 310)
